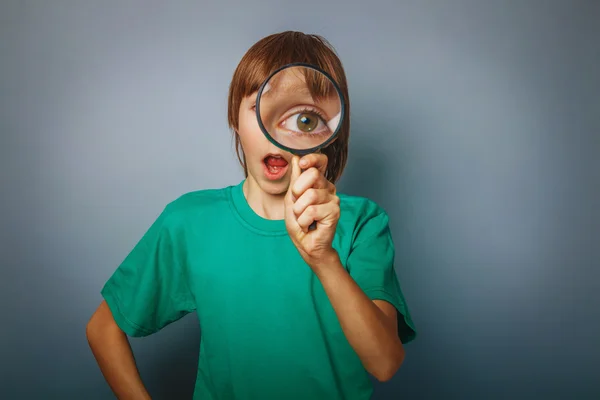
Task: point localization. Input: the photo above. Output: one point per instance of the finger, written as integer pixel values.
(291, 222)
(316, 213)
(311, 197)
(314, 160)
(289, 216)
(311, 178)
(296, 172)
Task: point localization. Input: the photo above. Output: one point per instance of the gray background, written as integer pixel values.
(476, 124)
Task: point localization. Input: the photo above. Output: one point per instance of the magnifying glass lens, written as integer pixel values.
(299, 108)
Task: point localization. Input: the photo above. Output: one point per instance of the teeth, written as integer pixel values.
(273, 170)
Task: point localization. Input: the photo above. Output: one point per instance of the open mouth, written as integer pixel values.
(275, 166)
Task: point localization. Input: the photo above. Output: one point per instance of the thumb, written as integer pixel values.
(290, 199)
(296, 171)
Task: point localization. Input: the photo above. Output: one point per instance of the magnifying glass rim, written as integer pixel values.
(288, 149)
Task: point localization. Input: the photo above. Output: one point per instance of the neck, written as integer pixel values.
(268, 206)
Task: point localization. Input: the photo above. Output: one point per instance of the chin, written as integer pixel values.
(274, 188)
(271, 187)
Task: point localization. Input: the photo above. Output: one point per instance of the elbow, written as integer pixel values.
(101, 326)
(91, 331)
(390, 366)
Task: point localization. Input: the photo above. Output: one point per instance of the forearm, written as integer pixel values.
(113, 353)
(371, 333)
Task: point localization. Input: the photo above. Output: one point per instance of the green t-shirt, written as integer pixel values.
(268, 330)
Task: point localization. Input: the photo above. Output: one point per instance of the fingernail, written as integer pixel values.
(303, 163)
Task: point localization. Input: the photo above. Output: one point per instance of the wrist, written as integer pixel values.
(326, 261)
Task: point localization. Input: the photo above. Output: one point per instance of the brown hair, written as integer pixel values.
(273, 52)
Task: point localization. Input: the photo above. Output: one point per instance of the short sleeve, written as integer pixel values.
(371, 265)
(149, 290)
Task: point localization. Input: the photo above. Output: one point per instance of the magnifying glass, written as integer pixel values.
(300, 108)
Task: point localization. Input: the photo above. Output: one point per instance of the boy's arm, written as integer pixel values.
(370, 326)
(112, 351)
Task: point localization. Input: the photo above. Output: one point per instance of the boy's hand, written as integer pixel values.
(312, 198)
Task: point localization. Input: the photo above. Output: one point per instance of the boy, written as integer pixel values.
(285, 313)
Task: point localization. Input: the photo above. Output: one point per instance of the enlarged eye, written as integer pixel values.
(305, 122)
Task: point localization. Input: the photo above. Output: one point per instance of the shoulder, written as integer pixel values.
(360, 209)
(360, 206)
(191, 205)
(199, 199)
(361, 216)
